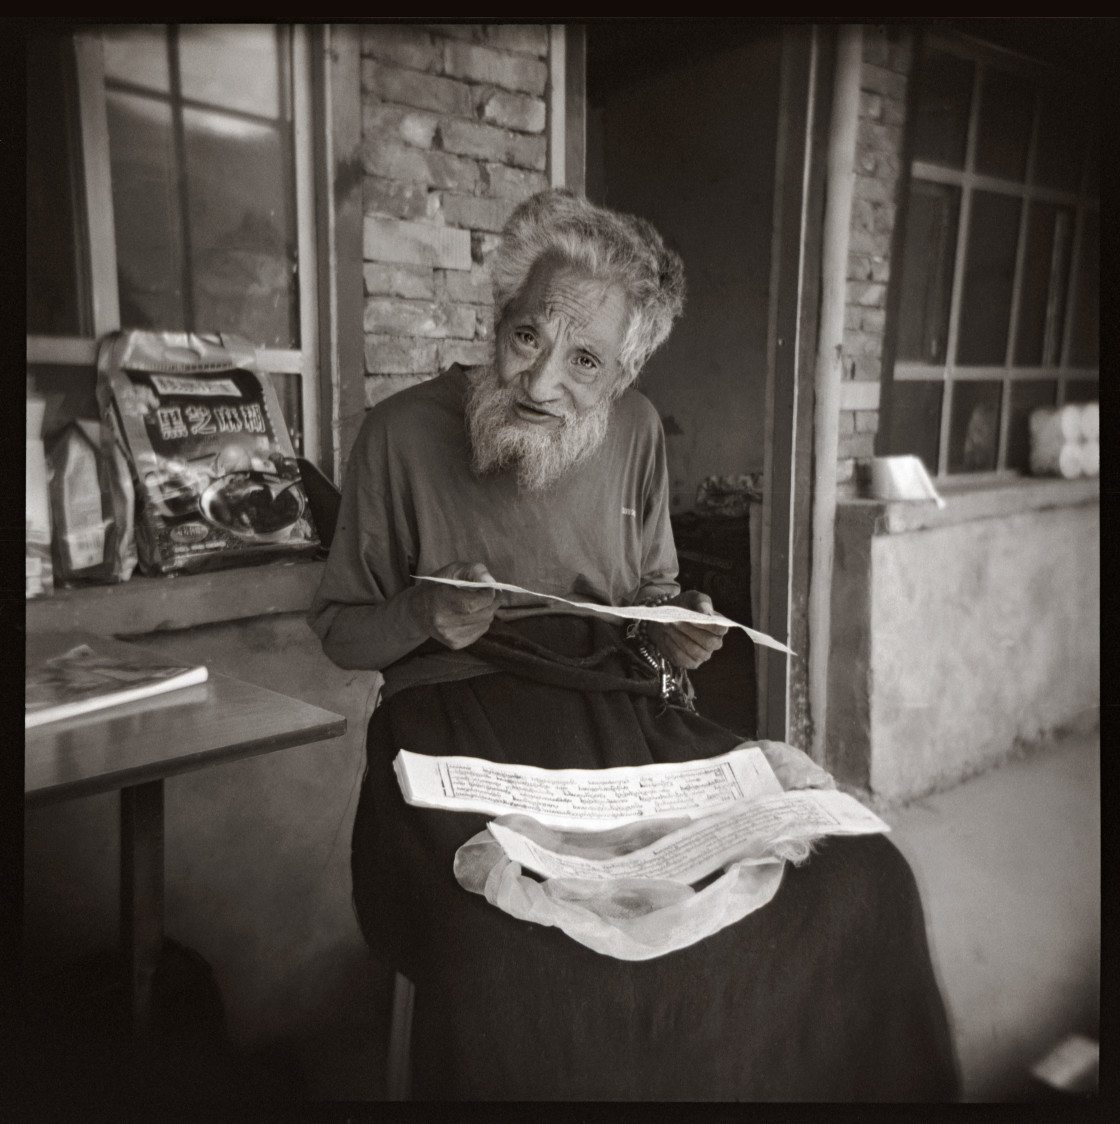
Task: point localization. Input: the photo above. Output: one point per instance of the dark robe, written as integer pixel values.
(827, 993)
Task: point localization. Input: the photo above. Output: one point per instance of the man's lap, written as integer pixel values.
(825, 993)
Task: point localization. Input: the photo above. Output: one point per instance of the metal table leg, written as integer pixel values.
(141, 915)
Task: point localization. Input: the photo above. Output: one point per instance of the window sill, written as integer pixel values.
(967, 500)
(155, 604)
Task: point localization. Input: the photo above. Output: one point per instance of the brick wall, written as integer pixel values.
(454, 136)
(887, 61)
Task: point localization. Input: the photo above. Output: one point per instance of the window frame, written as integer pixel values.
(967, 181)
(98, 230)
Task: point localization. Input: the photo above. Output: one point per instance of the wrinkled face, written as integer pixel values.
(558, 345)
(545, 403)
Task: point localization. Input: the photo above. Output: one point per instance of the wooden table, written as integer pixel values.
(134, 748)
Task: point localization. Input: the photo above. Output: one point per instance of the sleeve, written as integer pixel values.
(361, 610)
(659, 552)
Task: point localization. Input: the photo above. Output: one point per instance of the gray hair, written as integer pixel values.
(622, 248)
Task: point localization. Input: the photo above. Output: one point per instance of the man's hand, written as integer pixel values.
(455, 617)
(686, 644)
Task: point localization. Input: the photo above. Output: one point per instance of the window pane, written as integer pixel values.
(146, 210)
(137, 55)
(204, 199)
(941, 120)
(1026, 396)
(915, 425)
(70, 392)
(232, 66)
(1085, 332)
(989, 274)
(1006, 110)
(1060, 154)
(242, 221)
(56, 281)
(288, 389)
(927, 274)
(974, 426)
(1042, 299)
(1083, 390)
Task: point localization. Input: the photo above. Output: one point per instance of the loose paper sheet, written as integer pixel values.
(664, 613)
(588, 799)
(702, 847)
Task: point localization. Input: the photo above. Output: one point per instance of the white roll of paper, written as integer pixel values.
(1090, 421)
(1090, 458)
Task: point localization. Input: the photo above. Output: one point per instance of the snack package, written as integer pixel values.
(40, 571)
(90, 531)
(216, 479)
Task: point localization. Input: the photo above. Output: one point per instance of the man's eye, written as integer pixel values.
(587, 363)
(525, 337)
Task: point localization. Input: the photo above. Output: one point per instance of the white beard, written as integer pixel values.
(499, 442)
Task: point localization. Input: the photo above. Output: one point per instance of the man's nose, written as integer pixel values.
(542, 379)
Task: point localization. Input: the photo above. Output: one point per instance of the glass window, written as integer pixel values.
(1082, 390)
(189, 146)
(1006, 113)
(993, 235)
(1085, 330)
(1028, 260)
(927, 275)
(203, 183)
(1026, 396)
(1042, 295)
(974, 426)
(915, 420)
(69, 391)
(944, 97)
(1060, 154)
(57, 293)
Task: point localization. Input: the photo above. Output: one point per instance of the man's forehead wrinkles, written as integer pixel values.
(561, 301)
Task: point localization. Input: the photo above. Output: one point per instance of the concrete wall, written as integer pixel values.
(956, 644)
(707, 184)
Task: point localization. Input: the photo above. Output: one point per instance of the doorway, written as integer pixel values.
(682, 128)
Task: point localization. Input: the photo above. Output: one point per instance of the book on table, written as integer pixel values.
(84, 677)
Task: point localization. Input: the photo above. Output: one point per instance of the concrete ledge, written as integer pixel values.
(144, 605)
(965, 501)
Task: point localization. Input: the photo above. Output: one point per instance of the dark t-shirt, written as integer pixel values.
(412, 503)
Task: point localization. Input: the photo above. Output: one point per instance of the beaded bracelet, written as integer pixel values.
(676, 688)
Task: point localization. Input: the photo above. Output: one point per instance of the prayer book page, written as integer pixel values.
(664, 613)
(692, 852)
(586, 798)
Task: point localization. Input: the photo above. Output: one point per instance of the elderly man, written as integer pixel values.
(546, 469)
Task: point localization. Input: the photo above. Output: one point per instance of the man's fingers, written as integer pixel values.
(702, 634)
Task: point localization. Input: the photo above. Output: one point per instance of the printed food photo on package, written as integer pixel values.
(216, 478)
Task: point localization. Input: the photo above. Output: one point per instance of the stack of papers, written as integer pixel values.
(565, 823)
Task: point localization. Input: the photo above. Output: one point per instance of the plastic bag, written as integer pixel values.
(216, 479)
(92, 532)
(639, 919)
(40, 567)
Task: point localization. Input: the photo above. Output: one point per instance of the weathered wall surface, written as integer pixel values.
(454, 136)
(960, 644)
(887, 61)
